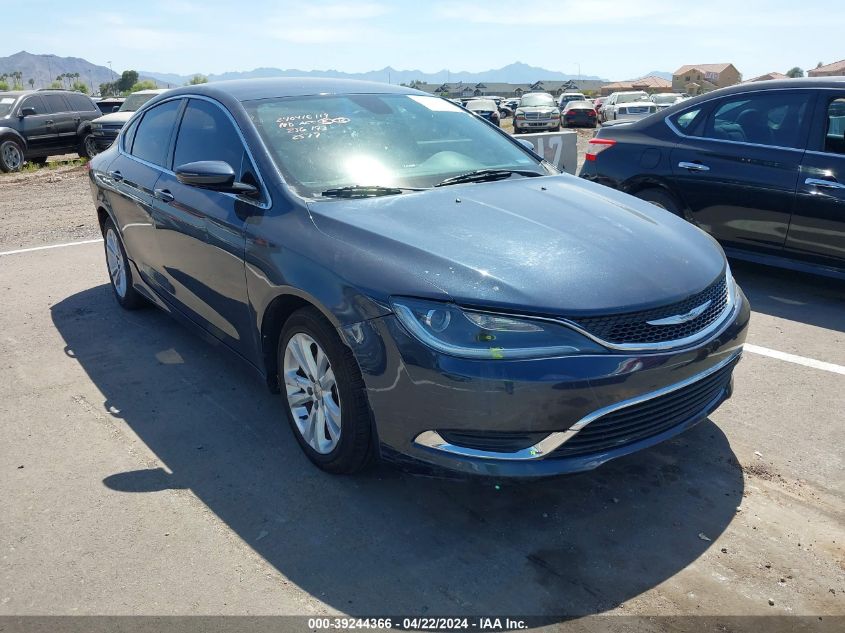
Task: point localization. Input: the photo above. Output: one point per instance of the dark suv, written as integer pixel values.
(41, 123)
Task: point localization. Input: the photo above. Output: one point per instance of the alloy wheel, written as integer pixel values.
(116, 263)
(12, 155)
(312, 393)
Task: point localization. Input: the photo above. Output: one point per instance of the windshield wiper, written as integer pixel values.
(484, 175)
(365, 191)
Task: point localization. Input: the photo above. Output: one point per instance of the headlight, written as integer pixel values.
(472, 334)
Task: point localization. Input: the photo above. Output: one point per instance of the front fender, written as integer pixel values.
(6, 132)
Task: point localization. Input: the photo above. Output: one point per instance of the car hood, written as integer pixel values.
(114, 117)
(552, 245)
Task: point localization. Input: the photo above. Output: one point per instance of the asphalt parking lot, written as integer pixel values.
(145, 472)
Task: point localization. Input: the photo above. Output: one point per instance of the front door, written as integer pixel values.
(818, 223)
(739, 168)
(200, 231)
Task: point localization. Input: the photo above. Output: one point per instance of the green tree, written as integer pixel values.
(4, 85)
(80, 86)
(17, 80)
(31, 83)
(197, 79)
(143, 85)
(795, 72)
(56, 85)
(819, 65)
(127, 80)
(108, 88)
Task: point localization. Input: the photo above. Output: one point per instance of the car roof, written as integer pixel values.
(265, 88)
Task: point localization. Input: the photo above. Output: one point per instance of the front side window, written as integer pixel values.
(326, 142)
(767, 118)
(152, 138)
(206, 133)
(834, 140)
(34, 102)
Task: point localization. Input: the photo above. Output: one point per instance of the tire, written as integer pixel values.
(11, 155)
(120, 273)
(659, 198)
(556, 129)
(88, 146)
(308, 339)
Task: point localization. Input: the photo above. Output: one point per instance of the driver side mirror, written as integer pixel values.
(27, 112)
(216, 175)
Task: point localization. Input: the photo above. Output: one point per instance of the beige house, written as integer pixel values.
(836, 69)
(767, 77)
(698, 78)
(650, 84)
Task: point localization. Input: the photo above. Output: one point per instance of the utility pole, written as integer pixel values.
(111, 70)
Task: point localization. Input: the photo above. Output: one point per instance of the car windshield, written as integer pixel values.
(7, 102)
(135, 101)
(664, 99)
(328, 142)
(537, 100)
(481, 104)
(634, 96)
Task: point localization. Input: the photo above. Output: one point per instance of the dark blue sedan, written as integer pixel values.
(419, 286)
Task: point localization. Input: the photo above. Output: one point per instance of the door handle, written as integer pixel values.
(48, 122)
(824, 184)
(116, 175)
(164, 195)
(693, 166)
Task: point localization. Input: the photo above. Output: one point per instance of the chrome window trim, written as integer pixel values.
(701, 103)
(264, 189)
(433, 440)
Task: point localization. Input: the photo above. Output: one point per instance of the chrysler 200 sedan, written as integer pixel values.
(419, 286)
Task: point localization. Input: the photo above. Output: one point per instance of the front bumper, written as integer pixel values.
(104, 137)
(414, 391)
(534, 124)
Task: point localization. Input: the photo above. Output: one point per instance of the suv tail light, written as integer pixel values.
(596, 146)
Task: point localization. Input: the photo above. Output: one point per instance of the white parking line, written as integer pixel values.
(44, 248)
(754, 349)
(792, 358)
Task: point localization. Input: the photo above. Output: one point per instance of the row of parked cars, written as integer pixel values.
(36, 124)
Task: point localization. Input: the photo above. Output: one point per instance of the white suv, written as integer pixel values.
(627, 105)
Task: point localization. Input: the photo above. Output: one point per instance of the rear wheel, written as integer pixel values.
(659, 198)
(326, 403)
(120, 273)
(11, 155)
(88, 146)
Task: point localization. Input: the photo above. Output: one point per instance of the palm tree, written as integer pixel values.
(31, 83)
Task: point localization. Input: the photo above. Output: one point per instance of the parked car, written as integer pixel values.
(512, 104)
(664, 100)
(318, 229)
(598, 102)
(485, 108)
(35, 124)
(106, 128)
(610, 107)
(578, 114)
(568, 97)
(538, 112)
(759, 166)
(107, 105)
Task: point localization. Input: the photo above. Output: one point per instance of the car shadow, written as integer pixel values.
(792, 295)
(386, 542)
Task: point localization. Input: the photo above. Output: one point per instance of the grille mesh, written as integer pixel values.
(649, 418)
(633, 327)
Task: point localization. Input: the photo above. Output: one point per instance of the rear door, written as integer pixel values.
(63, 118)
(738, 163)
(38, 129)
(818, 223)
(133, 175)
(201, 231)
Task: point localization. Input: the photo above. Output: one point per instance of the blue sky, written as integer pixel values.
(616, 40)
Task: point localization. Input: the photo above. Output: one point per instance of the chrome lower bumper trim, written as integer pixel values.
(553, 441)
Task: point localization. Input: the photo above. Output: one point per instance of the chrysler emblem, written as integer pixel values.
(682, 318)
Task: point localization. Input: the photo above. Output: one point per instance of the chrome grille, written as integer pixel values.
(633, 327)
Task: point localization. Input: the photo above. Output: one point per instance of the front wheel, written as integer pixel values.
(326, 402)
(11, 155)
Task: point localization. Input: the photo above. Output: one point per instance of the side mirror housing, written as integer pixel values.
(115, 108)
(27, 112)
(213, 174)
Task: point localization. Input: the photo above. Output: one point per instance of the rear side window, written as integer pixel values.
(686, 121)
(768, 118)
(55, 104)
(834, 141)
(206, 133)
(81, 103)
(129, 135)
(152, 138)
